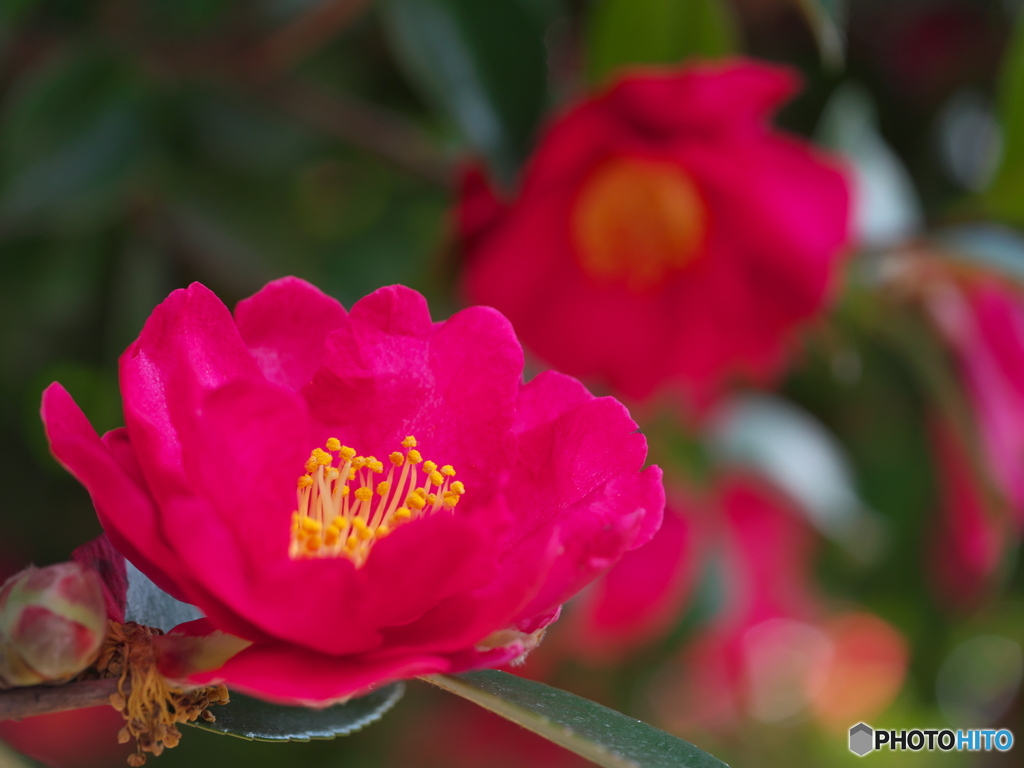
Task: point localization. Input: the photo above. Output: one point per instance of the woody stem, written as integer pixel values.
(19, 703)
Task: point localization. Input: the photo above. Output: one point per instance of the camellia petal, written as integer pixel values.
(354, 497)
(285, 325)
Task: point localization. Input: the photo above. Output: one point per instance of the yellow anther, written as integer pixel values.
(323, 526)
(361, 529)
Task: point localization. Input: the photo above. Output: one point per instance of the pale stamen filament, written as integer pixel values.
(336, 514)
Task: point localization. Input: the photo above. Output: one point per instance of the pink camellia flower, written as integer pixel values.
(358, 496)
(969, 538)
(773, 652)
(983, 320)
(663, 233)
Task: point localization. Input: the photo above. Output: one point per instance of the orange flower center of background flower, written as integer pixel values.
(636, 221)
(343, 508)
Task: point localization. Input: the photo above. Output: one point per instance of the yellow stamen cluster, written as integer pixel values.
(338, 515)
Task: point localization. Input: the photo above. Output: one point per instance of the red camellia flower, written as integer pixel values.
(663, 232)
(359, 497)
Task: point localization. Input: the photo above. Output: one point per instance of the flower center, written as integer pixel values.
(343, 508)
(636, 221)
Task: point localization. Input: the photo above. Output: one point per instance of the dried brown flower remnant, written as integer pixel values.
(152, 706)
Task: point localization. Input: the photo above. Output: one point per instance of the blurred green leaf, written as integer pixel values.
(257, 720)
(12, 11)
(887, 207)
(827, 19)
(70, 136)
(624, 32)
(1003, 198)
(787, 444)
(599, 734)
(484, 65)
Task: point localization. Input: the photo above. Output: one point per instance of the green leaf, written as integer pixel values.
(482, 64)
(887, 206)
(149, 605)
(624, 32)
(780, 440)
(72, 137)
(255, 720)
(1003, 198)
(599, 734)
(827, 18)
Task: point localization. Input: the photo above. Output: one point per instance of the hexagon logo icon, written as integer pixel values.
(862, 739)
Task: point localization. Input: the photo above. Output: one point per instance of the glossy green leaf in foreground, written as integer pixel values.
(601, 735)
(482, 64)
(256, 720)
(1003, 198)
(624, 32)
(827, 19)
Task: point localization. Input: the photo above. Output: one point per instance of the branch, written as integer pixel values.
(362, 125)
(297, 40)
(19, 703)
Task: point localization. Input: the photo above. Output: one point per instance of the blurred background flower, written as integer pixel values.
(670, 235)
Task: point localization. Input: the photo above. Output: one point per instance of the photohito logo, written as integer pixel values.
(864, 739)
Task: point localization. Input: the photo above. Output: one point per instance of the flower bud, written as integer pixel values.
(52, 624)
